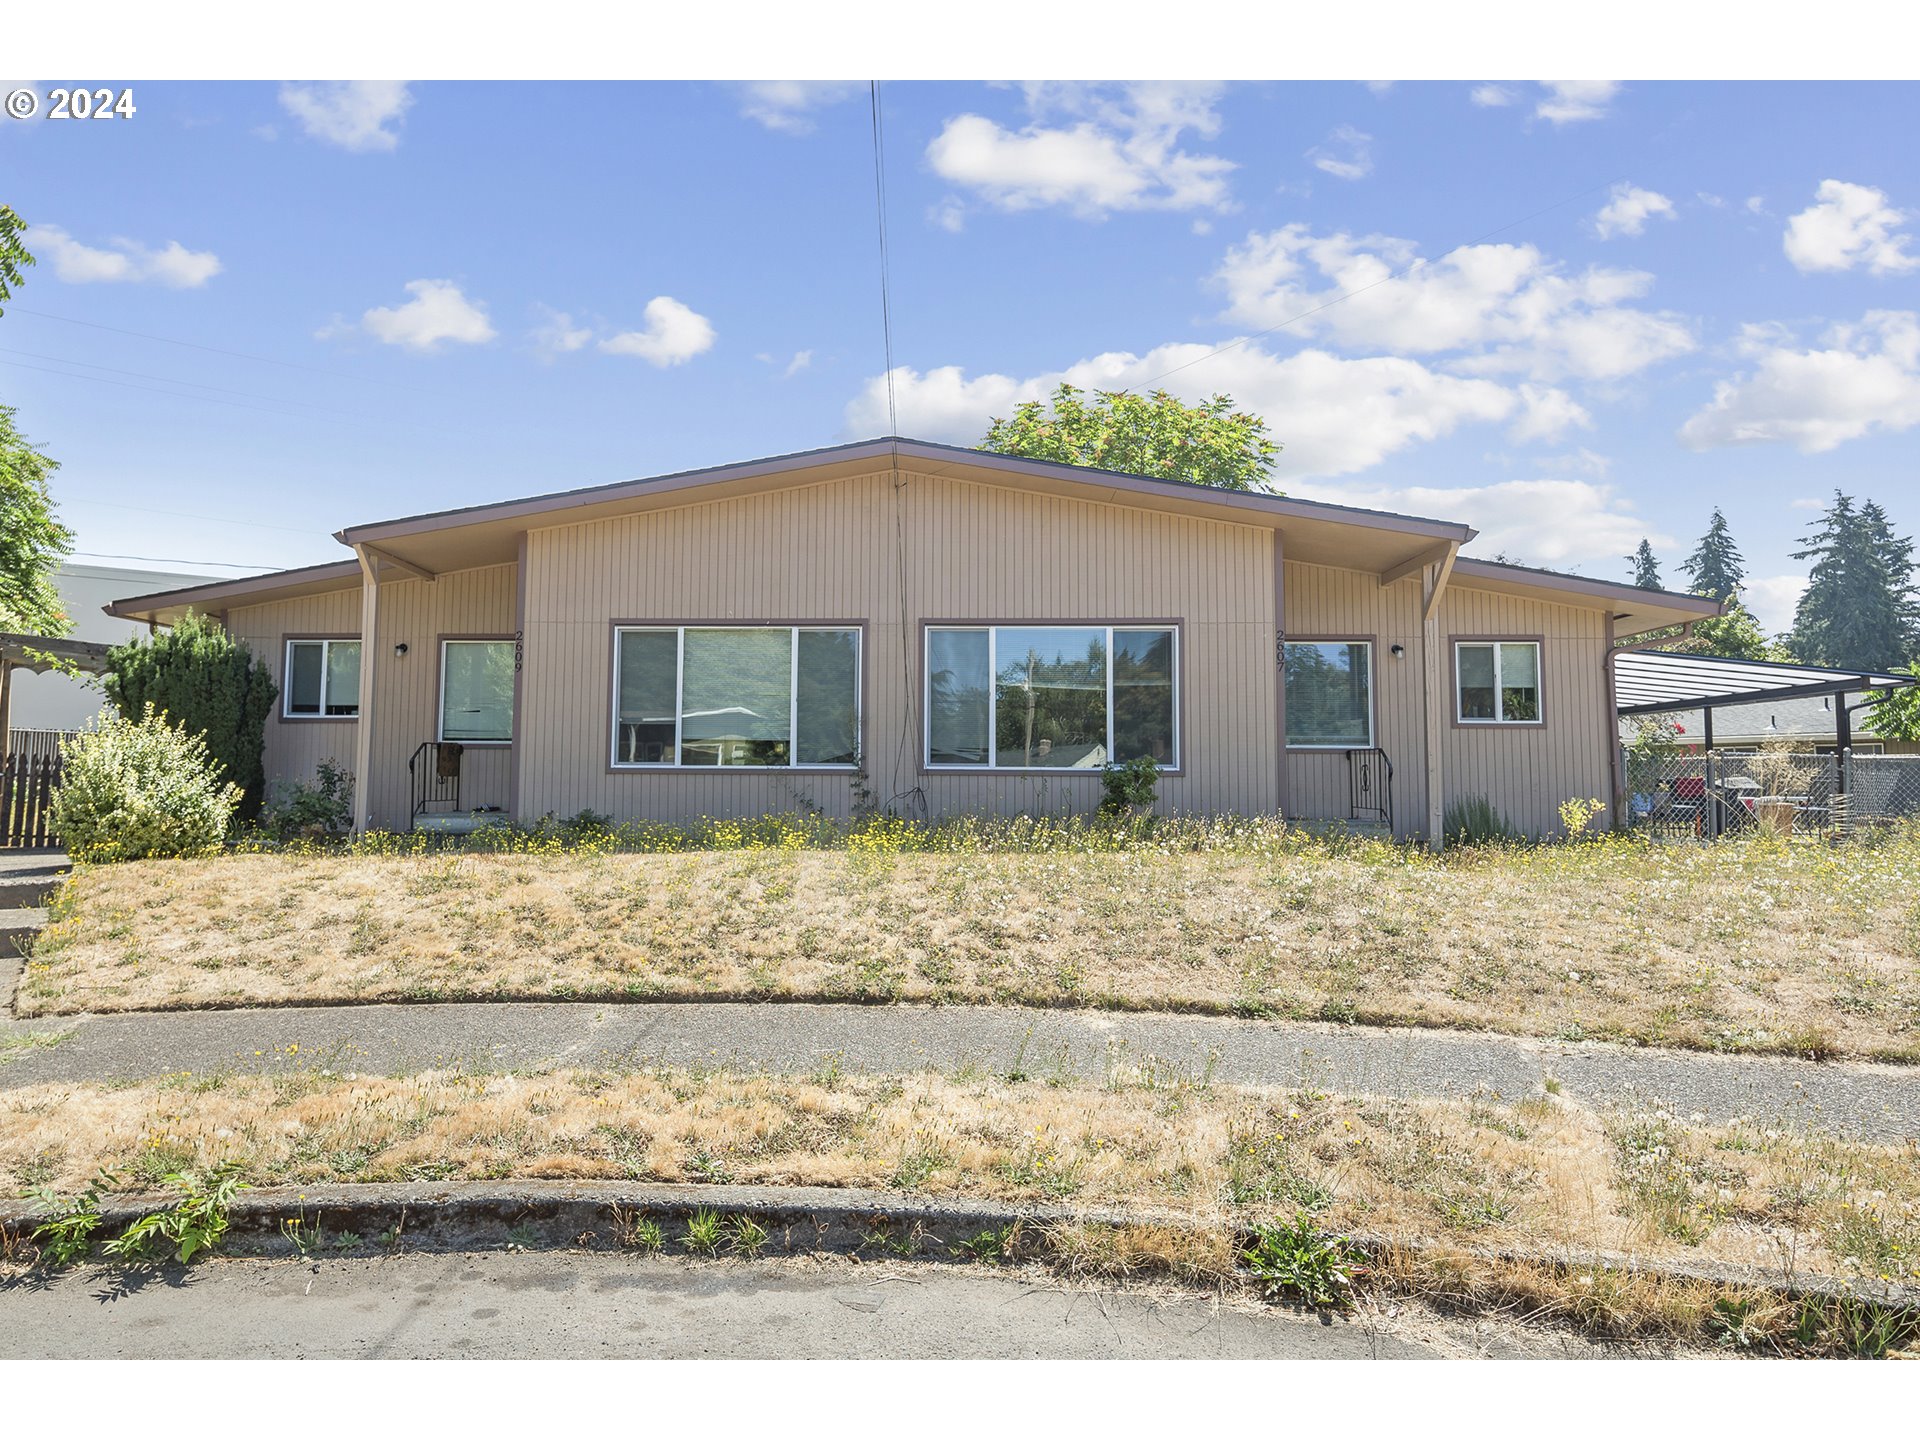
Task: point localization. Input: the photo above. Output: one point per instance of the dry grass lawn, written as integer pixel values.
(1539, 1174)
(1749, 947)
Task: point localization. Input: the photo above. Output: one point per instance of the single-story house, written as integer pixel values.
(947, 630)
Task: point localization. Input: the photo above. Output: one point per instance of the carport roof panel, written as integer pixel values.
(1647, 682)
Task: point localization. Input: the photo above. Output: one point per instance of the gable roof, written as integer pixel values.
(1311, 531)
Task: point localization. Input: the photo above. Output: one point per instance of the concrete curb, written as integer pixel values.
(589, 1214)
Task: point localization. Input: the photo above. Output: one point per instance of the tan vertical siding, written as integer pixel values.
(835, 551)
(406, 689)
(1528, 770)
(294, 748)
(1327, 603)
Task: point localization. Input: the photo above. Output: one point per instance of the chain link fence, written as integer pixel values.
(1781, 792)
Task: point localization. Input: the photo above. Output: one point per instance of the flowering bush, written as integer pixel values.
(141, 790)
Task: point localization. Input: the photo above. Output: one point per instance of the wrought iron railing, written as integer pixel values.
(1370, 786)
(433, 776)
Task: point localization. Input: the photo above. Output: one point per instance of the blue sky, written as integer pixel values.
(1571, 315)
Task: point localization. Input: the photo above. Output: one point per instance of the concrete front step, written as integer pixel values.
(17, 926)
(20, 891)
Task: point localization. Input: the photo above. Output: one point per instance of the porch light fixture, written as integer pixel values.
(1396, 651)
(400, 650)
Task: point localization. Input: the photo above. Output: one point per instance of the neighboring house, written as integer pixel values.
(53, 701)
(948, 630)
(1806, 723)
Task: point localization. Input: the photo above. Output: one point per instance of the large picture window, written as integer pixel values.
(763, 695)
(1497, 682)
(323, 680)
(476, 691)
(1051, 697)
(1329, 694)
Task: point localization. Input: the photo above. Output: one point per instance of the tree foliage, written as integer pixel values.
(1716, 566)
(1210, 444)
(1735, 635)
(1861, 608)
(14, 255)
(1646, 568)
(201, 678)
(33, 542)
(1897, 716)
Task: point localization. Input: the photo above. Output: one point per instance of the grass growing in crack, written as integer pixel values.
(992, 1246)
(746, 1236)
(703, 1233)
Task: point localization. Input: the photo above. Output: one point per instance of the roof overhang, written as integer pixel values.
(167, 606)
(1314, 531)
(1635, 610)
(1656, 682)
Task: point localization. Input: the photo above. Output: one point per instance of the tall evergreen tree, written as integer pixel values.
(1861, 607)
(1646, 569)
(1716, 566)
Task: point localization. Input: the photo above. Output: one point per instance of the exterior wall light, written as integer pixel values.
(400, 650)
(1397, 651)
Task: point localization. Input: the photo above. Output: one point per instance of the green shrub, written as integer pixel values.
(140, 790)
(1126, 786)
(199, 676)
(1473, 820)
(312, 810)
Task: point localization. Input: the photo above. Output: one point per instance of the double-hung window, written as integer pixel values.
(1329, 694)
(476, 691)
(1051, 697)
(323, 680)
(702, 696)
(1497, 682)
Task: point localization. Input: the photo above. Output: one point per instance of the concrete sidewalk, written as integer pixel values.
(1864, 1101)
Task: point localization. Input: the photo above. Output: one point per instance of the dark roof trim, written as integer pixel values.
(895, 448)
(234, 589)
(1584, 585)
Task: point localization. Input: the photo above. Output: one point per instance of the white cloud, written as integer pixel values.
(1629, 209)
(802, 360)
(1546, 414)
(1551, 522)
(437, 313)
(124, 261)
(1506, 304)
(1774, 598)
(1567, 101)
(674, 334)
(950, 215)
(1756, 204)
(353, 114)
(788, 105)
(1492, 96)
(1864, 377)
(1849, 225)
(1332, 415)
(1348, 153)
(557, 335)
(1807, 502)
(1119, 150)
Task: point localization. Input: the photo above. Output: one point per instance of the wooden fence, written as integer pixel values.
(28, 778)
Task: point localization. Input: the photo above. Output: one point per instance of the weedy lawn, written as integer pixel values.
(1759, 946)
(1197, 1163)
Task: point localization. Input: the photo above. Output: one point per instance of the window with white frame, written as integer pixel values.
(1329, 694)
(722, 696)
(323, 680)
(476, 691)
(1051, 697)
(1497, 682)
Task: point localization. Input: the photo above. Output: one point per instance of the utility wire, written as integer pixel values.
(172, 560)
(167, 380)
(880, 212)
(187, 515)
(157, 390)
